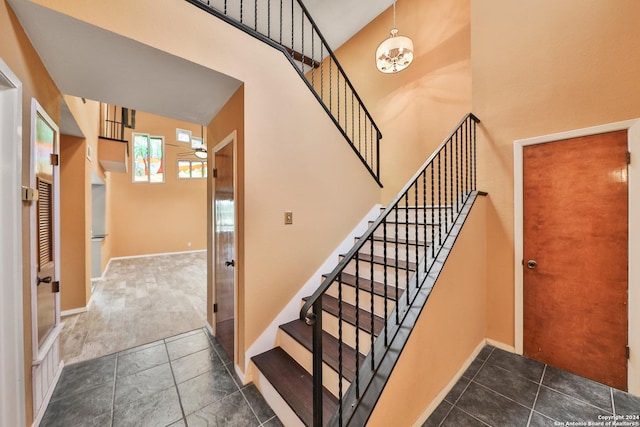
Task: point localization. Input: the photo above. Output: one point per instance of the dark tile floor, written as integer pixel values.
(185, 380)
(501, 389)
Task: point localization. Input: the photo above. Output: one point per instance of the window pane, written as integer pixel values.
(140, 157)
(196, 169)
(184, 169)
(156, 171)
(205, 169)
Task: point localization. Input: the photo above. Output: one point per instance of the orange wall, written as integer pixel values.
(18, 53)
(416, 108)
(151, 218)
(229, 119)
(541, 67)
(73, 205)
(448, 331)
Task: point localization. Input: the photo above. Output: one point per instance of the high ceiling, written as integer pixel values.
(92, 63)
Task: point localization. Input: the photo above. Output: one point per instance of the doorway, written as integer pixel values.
(575, 296)
(224, 217)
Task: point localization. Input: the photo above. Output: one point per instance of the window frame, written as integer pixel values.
(163, 159)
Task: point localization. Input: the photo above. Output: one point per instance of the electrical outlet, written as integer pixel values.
(288, 218)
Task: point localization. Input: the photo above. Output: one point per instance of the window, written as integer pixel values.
(192, 169)
(148, 158)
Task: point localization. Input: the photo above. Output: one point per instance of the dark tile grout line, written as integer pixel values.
(535, 400)
(175, 383)
(465, 389)
(113, 393)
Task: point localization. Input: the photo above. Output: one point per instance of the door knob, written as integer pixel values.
(532, 264)
(231, 263)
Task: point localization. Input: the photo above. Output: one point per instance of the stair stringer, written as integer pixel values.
(433, 340)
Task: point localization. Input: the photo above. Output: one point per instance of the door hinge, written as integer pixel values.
(55, 159)
(214, 172)
(29, 194)
(628, 157)
(215, 308)
(628, 352)
(55, 287)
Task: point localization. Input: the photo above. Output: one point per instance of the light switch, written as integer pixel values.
(288, 218)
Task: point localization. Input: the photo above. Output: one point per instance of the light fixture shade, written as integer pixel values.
(200, 152)
(395, 53)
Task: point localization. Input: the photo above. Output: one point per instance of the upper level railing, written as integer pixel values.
(114, 120)
(287, 26)
(413, 229)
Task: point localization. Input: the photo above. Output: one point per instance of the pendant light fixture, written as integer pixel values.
(395, 53)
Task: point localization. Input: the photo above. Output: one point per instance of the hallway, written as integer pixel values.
(139, 300)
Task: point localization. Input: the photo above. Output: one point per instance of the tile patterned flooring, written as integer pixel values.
(138, 301)
(500, 389)
(185, 380)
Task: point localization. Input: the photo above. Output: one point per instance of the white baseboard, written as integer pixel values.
(153, 255)
(501, 346)
(267, 339)
(77, 310)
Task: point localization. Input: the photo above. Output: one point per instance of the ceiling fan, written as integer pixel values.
(198, 147)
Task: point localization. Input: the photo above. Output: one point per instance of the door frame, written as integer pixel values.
(229, 139)
(633, 145)
(40, 351)
(11, 304)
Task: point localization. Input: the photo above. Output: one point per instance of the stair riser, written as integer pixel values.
(281, 408)
(418, 215)
(330, 325)
(400, 231)
(305, 359)
(392, 278)
(395, 251)
(349, 296)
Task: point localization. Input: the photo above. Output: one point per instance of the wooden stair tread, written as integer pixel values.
(365, 285)
(294, 384)
(330, 305)
(390, 262)
(303, 334)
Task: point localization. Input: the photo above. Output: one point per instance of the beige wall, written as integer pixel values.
(18, 53)
(152, 218)
(416, 108)
(541, 67)
(450, 328)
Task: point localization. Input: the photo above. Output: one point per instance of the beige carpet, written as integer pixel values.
(140, 300)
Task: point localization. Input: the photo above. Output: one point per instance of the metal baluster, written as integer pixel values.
(292, 28)
(353, 119)
(359, 129)
(321, 71)
(397, 276)
(281, 20)
(433, 219)
(385, 281)
(415, 219)
(338, 84)
(475, 156)
(241, 10)
(330, 84)
(457, 174)
(340, 344)
(406, 243)
(466, 162)
(225, 7)
(313, 60)
(268, 18)
(446, 221)
(255, 17)
(317, 363)
(372, 308)
(302, 41)
(439, 202)
(357, 259)
(424, 216)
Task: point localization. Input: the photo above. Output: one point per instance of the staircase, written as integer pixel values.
(349, 330)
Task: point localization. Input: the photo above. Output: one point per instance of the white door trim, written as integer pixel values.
(633, 127)
(12, 392)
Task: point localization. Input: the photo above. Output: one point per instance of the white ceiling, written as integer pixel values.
(92, 63)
